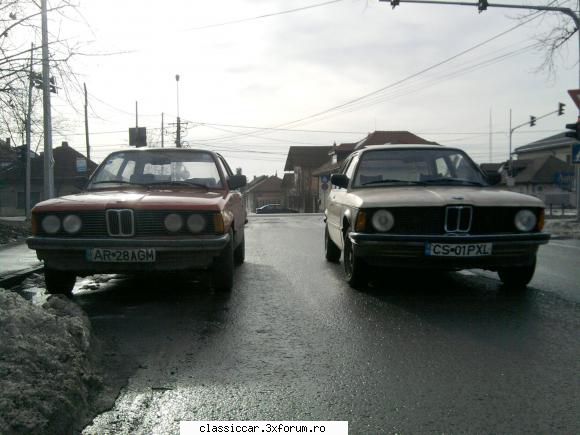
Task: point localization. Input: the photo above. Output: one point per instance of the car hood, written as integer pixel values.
(157, 199)
(434, 196)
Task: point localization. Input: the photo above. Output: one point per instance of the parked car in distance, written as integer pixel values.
(146, 210)
(429, 207)
(274, 208)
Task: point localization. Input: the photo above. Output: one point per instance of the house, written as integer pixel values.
(8, 154)
(303, 160)
(290, 197)
(261, 191)
(547, 177)
(70, 167)
(558, 146)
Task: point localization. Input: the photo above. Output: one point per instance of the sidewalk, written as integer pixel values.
(17, 259)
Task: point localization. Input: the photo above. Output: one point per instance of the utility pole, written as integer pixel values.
(178, 139)
(47, 117)
(87, 128)
(162, 129)
(28, 134)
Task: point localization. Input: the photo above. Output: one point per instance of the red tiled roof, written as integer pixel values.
(306, 156)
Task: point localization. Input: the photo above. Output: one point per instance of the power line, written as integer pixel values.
(243, 20)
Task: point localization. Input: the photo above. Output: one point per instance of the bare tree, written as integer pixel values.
(552, 43)
(20, 26)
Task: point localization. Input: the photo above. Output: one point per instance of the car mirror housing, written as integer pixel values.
(237, 181)
(81, 182)
(339, 180)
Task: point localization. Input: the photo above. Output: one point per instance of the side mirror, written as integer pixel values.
(493, 178)
(339, 180)
(81, 182)
(237, 181)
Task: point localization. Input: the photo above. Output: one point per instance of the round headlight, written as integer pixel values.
(195, 223)
(72, 224)
(51, 224)
(525, 220)
(173, 222)
(383, 220)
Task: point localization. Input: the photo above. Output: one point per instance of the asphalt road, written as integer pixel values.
(417, 353)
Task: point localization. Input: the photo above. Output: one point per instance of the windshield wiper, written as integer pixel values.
(392, 180)
(113, 181)
(445, 180)
(177, 183)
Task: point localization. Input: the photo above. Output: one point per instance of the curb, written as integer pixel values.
(10, 279)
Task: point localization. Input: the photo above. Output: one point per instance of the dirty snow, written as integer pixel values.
(46, 375)
(13, 231)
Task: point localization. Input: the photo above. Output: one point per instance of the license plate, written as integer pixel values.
(107, 255)
(458, 250)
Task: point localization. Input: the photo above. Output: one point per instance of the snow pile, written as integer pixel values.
(563, 227)
(13, 231)
(46, 375)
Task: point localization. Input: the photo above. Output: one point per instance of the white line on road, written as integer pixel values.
(564, 246)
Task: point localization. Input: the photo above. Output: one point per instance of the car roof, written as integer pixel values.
(162, 150)
(406, 147)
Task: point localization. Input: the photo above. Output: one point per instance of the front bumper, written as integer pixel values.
(508, 250)
(69, 254)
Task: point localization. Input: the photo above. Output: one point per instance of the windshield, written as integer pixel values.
(195, 168)
(416, 166)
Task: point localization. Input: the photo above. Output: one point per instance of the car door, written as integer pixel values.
(234, 201)
(337, 205)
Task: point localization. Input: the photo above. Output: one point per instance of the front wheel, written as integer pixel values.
(354, 267)
(240, 251)
(59, 282)
(331, 251)
(222, 269)
(517, 277)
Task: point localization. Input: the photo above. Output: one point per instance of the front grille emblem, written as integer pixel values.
(120, 222)
(458, 219)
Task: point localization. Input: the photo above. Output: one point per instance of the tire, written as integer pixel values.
(240, 252)
(355, 268)
(517, 277)
(59, 282)
(331, 251)
(222, 269)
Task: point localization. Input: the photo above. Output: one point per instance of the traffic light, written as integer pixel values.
(575, 127)
(561, 108)
(532, 121)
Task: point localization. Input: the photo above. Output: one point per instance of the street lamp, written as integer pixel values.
(178, 139)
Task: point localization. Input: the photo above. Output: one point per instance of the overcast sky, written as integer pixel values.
(239, 75)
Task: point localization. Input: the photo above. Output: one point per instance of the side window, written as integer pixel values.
(351, 168)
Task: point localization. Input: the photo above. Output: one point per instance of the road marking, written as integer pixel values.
(564, 246)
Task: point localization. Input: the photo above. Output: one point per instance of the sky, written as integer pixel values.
(257, 76)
